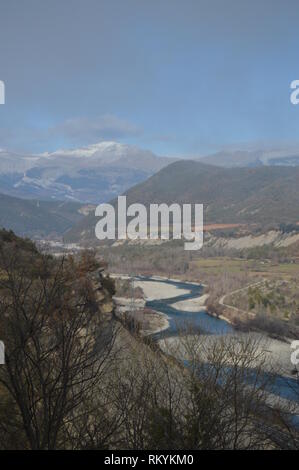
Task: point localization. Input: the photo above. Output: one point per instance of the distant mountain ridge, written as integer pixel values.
(254, 158)
(99, 172)
(261, 195)
(90, 174)
(39, 219)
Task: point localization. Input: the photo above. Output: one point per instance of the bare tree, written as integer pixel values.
(229, 404)
(58, 345)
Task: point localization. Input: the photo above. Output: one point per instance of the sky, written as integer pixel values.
(178, 77)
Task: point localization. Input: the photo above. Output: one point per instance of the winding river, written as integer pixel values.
(201, 319)
(282, 386)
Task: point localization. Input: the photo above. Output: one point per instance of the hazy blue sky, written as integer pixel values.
(176, 76)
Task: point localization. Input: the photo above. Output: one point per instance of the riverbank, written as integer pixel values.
(192, 305)
(276, 351)
(182, 300)
(150, 322)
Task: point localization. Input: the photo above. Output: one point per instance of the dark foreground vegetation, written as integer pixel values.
(76, 378)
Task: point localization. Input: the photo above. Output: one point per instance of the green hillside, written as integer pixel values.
(262, 195)
(34, 218)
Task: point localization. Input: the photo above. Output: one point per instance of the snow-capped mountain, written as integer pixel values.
(254, 158)
(93, 174)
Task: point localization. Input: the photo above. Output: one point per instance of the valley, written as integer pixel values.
(149, 229)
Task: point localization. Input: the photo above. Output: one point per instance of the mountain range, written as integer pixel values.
(40, 219)
(99, 172)
(91, 174)
(55, 192)
(262, 195)
(253, 158)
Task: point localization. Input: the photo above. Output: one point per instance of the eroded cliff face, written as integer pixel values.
(104, 291)
(274, 237)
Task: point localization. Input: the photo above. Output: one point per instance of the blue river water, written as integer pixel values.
(201, 319)
(285, 387)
